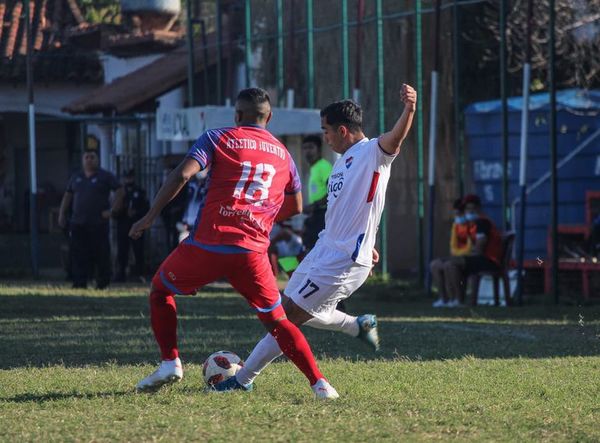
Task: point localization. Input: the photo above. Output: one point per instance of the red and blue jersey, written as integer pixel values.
(250, 172)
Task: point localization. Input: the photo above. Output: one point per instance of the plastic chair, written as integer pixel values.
(508, 241)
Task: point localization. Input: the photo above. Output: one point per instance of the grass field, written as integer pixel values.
(69, 360)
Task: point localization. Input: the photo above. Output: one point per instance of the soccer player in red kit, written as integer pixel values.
(252, 183)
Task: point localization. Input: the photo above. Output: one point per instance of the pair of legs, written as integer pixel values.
(451, 275)
(90, 251)
(447, 275)
(189, 267)
(321, 281)
(124, 242)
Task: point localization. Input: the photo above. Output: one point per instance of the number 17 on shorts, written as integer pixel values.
(308, 289)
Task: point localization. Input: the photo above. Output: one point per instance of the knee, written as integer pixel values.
(448, 266)
(436, 265)
(271, 319)
(158, 292)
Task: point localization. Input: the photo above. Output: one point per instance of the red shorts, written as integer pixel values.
(188, 268)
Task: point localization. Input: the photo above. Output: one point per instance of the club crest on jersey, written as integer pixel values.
(349, 162)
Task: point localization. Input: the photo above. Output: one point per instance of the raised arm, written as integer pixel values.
(391, 141)
(170, 188)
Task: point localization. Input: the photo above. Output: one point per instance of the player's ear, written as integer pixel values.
(342, 130)
(238, 116)
(269, 117)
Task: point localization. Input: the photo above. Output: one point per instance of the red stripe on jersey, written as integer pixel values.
(373, 187)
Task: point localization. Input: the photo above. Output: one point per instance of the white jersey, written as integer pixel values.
(355, 200)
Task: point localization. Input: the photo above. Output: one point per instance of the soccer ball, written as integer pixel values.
(220, 366)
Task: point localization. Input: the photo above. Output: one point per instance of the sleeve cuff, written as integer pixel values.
(384, 152)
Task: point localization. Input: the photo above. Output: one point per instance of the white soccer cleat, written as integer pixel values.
(324, 391)
(439, 303)
(169, 371)
(454, 303)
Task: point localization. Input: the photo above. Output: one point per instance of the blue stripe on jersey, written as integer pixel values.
(270, 308)
(359, 241)
(169, 285)
(222, 249)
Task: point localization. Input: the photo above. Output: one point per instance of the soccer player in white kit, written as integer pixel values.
(345, 252)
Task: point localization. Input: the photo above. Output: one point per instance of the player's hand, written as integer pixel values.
(375, 260)
(375, 256)
(140, 226)
(408, 95)
(106, 214)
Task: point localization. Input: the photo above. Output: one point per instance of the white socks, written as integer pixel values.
(268, 350)
(263, 353)
(337, 321)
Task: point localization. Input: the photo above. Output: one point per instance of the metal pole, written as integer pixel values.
(310, 58)
(33, 226)
(219, 54)
(381, 121)
(345, 70)
(506, 216)
(279, 71)
(248, 45)
(420, 171)
(456, 73)
(360, 14)
(190, 48)
(205, 62)
(523, 154)
(553, 153)
(432, 142)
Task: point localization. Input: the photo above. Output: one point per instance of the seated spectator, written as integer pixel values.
(485, 255)
(460, 244)
(286, 250)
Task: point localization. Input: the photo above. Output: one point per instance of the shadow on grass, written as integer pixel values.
(55, 396)
(95, 328)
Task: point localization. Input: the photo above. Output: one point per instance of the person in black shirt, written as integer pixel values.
(135, 205)
(89, 193)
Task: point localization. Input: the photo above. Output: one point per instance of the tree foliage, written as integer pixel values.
(577, 39)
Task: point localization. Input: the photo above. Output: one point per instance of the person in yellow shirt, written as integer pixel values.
(320, 169)
(460, 245)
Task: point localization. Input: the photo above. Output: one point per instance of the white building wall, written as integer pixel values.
(115, 67)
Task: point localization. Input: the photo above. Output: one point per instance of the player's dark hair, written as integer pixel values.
(255, 103)
(458, 204)
(256, 96)
(472, 199)
(315, 140)
(345, 112)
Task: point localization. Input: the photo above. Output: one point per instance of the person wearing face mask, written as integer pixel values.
(460, 245)
(485, 255)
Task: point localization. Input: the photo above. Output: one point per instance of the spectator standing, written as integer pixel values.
(320, 169)
(135, 205)
(89, 193)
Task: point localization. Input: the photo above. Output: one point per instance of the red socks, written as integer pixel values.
(295, 347)
(163, 315)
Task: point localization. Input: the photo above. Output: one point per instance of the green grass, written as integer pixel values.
(70, 358)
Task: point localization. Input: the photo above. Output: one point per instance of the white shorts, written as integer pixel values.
(325, 277)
